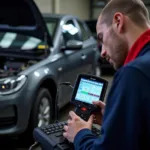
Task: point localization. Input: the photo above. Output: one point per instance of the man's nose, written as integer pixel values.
(103, 52)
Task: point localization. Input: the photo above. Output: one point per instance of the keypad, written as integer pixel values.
(58, 129)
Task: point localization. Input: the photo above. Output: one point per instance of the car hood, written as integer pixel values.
(23, 16)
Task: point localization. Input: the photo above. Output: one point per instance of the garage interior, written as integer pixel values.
(85, 10)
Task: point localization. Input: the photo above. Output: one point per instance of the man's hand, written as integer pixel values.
(98, 116)
(75, 124)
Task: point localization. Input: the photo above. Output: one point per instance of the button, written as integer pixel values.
(82, 115)
(59, 134)
(84, 118)
(48, 132)
(84, 109)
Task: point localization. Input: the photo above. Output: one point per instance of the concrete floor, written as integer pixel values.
(63, 115)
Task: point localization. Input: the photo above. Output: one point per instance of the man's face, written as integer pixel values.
(114, 46)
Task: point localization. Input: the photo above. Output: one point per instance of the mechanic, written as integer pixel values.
(123, 28)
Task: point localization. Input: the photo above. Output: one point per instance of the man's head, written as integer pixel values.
(119, 25)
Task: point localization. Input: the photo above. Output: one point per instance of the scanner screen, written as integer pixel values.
(89, 91)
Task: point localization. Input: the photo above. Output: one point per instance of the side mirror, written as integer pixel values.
(73, 45)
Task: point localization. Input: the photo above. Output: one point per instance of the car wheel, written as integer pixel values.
(41, 113)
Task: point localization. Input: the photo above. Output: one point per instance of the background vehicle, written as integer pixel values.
(36, 54)
(103, 64)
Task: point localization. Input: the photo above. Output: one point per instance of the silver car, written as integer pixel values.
(36, 54)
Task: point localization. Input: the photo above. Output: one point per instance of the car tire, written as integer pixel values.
(42, 95)
(41, 107)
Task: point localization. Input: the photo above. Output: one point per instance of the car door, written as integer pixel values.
(70, 62)
(89, 49)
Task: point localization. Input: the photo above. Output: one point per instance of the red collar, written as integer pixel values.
(138, 46)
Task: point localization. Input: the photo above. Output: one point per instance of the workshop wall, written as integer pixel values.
(80, 8)
(45, 6)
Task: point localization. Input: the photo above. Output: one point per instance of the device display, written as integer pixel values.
(89, 91)
(88, 88)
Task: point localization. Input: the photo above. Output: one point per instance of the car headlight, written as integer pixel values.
(11, 85)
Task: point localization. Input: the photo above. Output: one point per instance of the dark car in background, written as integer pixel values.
(103, 64)
(37, 54)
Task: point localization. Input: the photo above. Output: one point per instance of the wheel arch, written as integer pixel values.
(50, 84)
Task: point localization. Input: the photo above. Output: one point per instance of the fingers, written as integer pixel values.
(99, 103)
(66, 128)
(91, 119)
(73, 115)
(65, 133)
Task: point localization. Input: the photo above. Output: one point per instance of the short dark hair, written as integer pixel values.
(134, 9)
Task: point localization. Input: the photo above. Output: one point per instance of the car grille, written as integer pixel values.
(8, 117)
(7, 122)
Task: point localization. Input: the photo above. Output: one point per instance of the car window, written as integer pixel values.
(92, 27)
(70, 31)
(84, 33)
(51, 26)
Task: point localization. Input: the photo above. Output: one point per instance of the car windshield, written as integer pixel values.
(51, 24)
(11, 40)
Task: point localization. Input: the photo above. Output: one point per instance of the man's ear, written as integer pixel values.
(118, 22)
